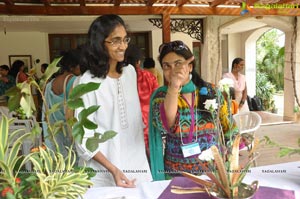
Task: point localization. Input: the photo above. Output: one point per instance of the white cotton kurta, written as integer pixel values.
(119, 111)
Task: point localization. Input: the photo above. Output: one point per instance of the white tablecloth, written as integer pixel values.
(284, 176)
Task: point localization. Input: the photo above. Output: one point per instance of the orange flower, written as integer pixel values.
(18, 180)
(35, 149)
(6, 190)
(44, 147)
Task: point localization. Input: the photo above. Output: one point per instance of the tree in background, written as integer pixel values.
(270, 57)
(270, 67)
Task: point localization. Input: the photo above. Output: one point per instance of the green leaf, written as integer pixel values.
(31, 178)
(54, 108)
(107, 135)
(89, 124)
(14, 95)
(36, 130)
(51, 69)
(13, 154)
(26, 104)
(86, 112)
(83, 117)
(92, 143)
(88, 170)
(75, 103)
(284, 151)
(10, 196)
(82, 89)
(3, 136)
(78, 132)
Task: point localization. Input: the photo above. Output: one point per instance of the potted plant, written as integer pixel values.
(53, 176)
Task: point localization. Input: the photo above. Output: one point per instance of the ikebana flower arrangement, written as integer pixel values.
(221, 163)
(52, 175)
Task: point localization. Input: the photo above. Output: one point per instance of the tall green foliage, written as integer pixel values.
(265, 90)
(270, 57)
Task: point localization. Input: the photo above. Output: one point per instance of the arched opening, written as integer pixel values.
(238, 39)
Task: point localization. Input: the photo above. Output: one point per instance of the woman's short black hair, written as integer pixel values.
(4, 67)
(15, 68)
(149, 63)
(133, 55)
(69, 60)
(44, 66)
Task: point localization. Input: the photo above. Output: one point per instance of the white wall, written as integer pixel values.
(235, 48)
(25, 43)
(156, 41)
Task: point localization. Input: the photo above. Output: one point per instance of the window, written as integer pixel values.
(59, 43)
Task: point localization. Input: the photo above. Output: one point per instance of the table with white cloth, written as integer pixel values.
(283, 176)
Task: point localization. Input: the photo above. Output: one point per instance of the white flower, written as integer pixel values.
(211, 104)
(225, 84)
(206, 155)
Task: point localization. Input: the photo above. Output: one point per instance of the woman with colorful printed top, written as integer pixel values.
(177, 110)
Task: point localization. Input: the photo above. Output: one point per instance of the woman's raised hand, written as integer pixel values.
(180, 73)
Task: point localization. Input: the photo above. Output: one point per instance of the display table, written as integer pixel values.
(284, 176)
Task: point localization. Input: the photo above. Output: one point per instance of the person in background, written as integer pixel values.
(119, 159)
(177, 110)
(240, 85)
(57, 91)
(6, 80)
(44, 67)
(17, 71)
(146, 84)
(234, 105)
(149, 65)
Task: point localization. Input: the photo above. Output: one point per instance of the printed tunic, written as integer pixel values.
(186, 131)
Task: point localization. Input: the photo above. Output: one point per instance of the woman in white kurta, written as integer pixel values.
(240, 86)
(121, 160)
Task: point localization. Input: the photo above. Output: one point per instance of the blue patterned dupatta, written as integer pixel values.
(155, 137)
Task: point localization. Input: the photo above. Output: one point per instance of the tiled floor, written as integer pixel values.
(286, 133)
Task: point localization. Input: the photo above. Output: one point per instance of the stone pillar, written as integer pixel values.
(211, 67)
(289, 90)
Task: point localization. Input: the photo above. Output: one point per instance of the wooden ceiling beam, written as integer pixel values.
(46, 2)
(117, 2)
(181, 2)
(139, 10)
(166, 28)
(285, 1)
(251, 2)
(82, 2)
(8, 2)
(215, 3)
(151, 2)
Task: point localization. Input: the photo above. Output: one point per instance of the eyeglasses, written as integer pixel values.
(116, 42)
(174, 45)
